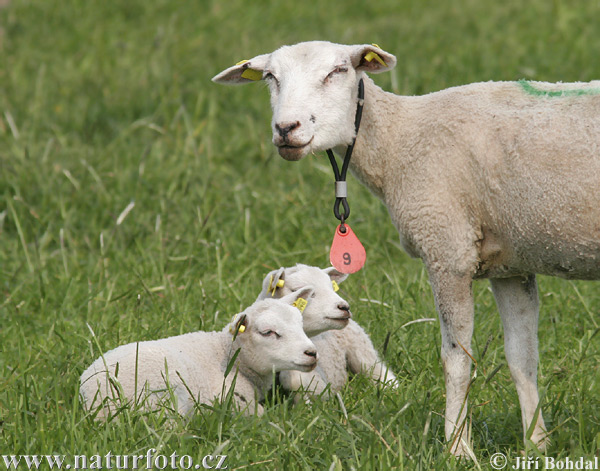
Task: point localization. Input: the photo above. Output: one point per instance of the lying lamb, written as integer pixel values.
(191, 367)
(341, 343)
(493, 180)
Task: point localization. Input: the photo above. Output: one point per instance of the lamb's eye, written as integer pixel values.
(269, 333)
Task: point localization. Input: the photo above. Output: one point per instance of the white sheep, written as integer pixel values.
(190, 368)
(493, 180)
(326, 313)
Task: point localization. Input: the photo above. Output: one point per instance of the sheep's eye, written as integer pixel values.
(270, 333)
(337, 70)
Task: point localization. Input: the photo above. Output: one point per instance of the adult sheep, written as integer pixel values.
(488, 180)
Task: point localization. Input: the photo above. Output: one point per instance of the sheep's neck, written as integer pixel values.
(370, 149)
(261, 383)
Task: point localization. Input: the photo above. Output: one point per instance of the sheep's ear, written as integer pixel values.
(272, 282)
(371, 58)
(243, 72)
(335, 275)
(239, 325)
(299, 298)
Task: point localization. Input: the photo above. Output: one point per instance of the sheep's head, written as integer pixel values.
(326, 310)
(271, 335)
(314, 88)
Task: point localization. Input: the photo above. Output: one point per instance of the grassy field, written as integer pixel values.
(108, 104)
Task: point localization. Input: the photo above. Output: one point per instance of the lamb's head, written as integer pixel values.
(326, 310)
(314, 89)
(271, 337)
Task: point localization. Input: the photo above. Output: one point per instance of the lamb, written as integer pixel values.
(341, 343)
(494, 180)
(190, 368)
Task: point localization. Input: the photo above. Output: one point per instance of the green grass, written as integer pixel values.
(107, 103)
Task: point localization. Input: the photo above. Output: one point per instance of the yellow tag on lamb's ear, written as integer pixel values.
(252, 74)
(300, 303)
(273, 287)
(336, 287)
(242, 62)
(239, 327)
(373, 55)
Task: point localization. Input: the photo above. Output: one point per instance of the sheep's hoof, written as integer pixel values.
(462, 450)
(539, 440)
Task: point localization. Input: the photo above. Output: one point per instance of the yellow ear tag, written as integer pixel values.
(244, 61)
(273, 287)
(369, 57)
(300, 303)
(336, 287)
(240, 327)
(252, 74)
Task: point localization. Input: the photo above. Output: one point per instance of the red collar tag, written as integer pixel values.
(347, 254)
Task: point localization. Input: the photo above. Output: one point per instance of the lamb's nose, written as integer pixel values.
(311, 353)
(284, 128)
(344, 307)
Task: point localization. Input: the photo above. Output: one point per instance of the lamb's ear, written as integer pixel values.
(371, 58)
(299, 298)
(272, 282)
(335, 275)
(238, 325)
(243, 72)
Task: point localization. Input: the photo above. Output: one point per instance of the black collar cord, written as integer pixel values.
(341, 190)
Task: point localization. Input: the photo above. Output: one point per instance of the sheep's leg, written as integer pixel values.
(308, 384)
(517, 300)
(363, 358)
(454, 303)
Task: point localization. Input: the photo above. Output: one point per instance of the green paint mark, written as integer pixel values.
(531, 90)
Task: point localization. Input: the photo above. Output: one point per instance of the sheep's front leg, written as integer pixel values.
(517, 300)
(454, 303)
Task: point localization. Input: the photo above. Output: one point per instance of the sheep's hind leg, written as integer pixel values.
(454, 303)
(517, 300)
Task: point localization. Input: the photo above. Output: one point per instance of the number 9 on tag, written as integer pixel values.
(347, 254)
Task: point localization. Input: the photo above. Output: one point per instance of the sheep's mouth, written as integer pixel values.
(340, 319)
(306, 366)
(294, 151)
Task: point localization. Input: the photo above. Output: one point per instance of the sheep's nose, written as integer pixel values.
(284, 128)
(344, 307)
(311, 353)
